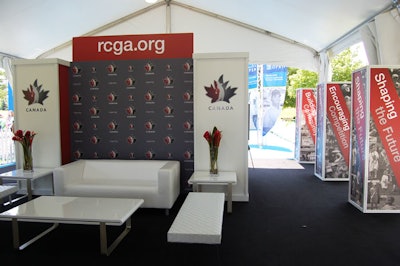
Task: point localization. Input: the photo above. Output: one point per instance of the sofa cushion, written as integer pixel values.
(109, 171)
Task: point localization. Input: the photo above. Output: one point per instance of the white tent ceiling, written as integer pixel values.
(286, 32)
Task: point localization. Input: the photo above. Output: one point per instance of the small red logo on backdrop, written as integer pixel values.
(94, 48)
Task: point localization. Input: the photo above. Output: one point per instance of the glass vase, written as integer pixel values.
(214, 161)
(28, 159)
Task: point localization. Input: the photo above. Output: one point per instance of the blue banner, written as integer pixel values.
(10, 98)
(274, 76)
(252, 76)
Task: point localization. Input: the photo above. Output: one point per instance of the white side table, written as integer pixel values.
(7, 191)
(228, 179)
(20, 174)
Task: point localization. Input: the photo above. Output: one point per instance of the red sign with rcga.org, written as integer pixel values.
(125, 47)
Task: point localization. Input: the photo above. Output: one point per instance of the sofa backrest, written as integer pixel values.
(122, 169)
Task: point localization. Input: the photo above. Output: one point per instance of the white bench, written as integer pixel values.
(7, 191)
(199, 220)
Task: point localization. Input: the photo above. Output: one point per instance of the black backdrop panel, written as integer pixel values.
(133, 109)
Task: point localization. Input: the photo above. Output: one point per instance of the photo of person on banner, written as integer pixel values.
(272, 108)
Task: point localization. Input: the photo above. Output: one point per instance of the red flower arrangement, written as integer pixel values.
(26, 139)
(213, 138)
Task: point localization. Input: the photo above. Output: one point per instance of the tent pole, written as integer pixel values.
(168, 16)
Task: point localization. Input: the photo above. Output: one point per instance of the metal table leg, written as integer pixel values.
(229, 198)
(103, 237)
(29, 188)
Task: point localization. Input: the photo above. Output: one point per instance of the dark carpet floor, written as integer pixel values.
(292, 218)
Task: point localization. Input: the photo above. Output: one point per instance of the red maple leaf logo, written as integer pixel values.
(35, 93)
(220, 91)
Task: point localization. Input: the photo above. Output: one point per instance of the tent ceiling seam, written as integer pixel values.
(352, 31)
(245, 25)
(102, 28)
(316, 53)
(198, 10)
(9, 55)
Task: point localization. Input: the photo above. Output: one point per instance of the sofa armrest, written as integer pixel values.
(169, 181)
(67, 174)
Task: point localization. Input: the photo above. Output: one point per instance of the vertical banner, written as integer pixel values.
(253, 97)
(358, 138)
(375, 168)
(221, 93)
(335, 116)
(319, 169)
(253, 76)
(299, 126)
(339, 116)
(384, 110)
(309, 111)
(274, 91)
(306, 125)
(10, 97)
(384, 145)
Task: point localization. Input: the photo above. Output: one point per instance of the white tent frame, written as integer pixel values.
(380, 44)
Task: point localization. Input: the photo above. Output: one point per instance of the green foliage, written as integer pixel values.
(3, 90)
(298, 78)
(344, 64)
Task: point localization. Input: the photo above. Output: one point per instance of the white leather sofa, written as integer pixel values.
(157, 182)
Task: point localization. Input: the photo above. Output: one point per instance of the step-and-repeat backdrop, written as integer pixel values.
(131, 97)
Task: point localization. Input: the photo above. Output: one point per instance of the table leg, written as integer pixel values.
(103, 239)
(15, 233)
(29, 188)
(15, 230)
(104, 250)
(1, 183)
(229, 198)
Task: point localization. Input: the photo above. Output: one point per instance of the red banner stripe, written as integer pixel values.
(384, 108)
(124, 47)
(309, 110)
(339, 116)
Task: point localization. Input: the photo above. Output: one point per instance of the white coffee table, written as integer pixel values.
(74, 210)
(225, 178)
(20, 174)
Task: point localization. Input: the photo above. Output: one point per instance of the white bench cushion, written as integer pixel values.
(199, 220)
